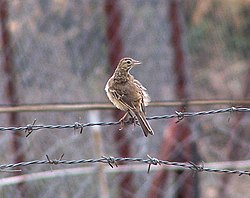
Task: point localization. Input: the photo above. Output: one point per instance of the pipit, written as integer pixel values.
(128, 94)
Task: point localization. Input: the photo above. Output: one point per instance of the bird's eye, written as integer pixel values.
(129, 62)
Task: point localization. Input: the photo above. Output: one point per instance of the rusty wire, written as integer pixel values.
(64, 107)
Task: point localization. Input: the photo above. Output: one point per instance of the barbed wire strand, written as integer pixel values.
(87, 170)
(114, 162)
(76, 126)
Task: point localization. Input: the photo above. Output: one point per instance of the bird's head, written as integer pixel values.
(127, 63)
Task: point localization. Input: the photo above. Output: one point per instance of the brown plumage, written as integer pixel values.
(128, 94)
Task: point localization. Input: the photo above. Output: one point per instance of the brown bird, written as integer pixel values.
(128, 94)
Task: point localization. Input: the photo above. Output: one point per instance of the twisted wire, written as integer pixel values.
(179, 115)
(114, 161)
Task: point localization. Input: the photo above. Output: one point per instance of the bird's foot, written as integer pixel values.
(122, 121)
(134, 121)
(131, 120)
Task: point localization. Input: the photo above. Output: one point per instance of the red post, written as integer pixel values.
(115, 51)
(177, 145)
(233, 144)
(10, 85)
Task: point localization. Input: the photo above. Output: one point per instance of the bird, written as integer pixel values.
(128, 94)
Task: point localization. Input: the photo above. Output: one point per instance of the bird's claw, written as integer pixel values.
(131, 120)
(122, 122)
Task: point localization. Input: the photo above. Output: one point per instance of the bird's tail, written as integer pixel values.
(144, 123)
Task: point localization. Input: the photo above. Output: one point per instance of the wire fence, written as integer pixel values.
(114, 162)
(79, 126)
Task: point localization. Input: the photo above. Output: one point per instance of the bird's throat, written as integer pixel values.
(121, 76)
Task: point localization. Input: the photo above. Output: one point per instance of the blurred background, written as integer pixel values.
(58, 51)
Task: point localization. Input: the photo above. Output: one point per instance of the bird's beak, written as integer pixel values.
(136, 62)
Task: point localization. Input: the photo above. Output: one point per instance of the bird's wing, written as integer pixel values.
(127, 102)
(144, 92)
(123, 99)
(139, 84)
(143, 106)
(145, 96)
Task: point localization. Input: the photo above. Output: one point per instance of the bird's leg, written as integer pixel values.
(122, 121)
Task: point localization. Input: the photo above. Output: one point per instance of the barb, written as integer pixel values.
(153, 161)
(195, 167)
(55, 161)
(110, 160)
(29, 128)
(179, 115)
(115, 161)
(78, 126)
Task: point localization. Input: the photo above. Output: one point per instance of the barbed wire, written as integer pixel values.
(114, 162)
(79, 126)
